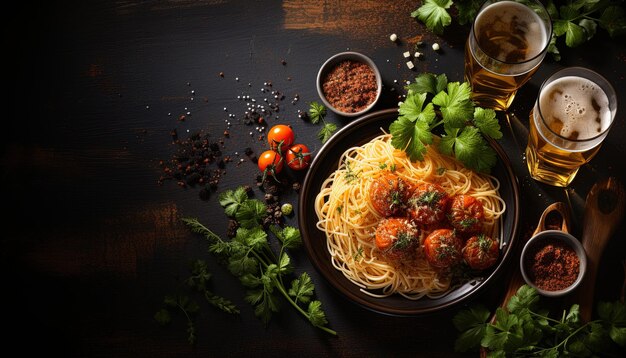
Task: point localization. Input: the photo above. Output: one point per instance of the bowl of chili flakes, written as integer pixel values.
(553, 262)
(349, 84)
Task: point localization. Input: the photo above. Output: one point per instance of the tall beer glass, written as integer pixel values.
(572, 115)
(506, 45)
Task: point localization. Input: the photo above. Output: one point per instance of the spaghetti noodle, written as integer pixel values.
(346, 215)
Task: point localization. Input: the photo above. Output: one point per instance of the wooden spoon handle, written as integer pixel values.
(604, 209)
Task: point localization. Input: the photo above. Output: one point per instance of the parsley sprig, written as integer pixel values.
(182, 303)
(575, 22)
(524, 328)
(317, 112)
(465, 126)
(259, 268)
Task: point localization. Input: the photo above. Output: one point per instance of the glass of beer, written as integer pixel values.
(571, 117)
(506, 45)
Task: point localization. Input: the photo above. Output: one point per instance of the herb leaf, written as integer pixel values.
(455, 104)
(317, 112)
(327, 131)
(434, 14)
(231, 199)
(251, 213)
(428, 83)
(410, 137)
(302, 288)
(486, 121)
(413, 109)
(472, 323)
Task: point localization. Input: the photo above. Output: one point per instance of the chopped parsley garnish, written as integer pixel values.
(351, 175)
(465, 126)
(404, 240)
(395, 198)
(430, 198)
(469, 222)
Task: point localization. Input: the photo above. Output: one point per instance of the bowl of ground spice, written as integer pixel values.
(349, 84)
(553, 262)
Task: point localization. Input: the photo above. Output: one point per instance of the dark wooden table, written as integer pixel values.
(93, 241)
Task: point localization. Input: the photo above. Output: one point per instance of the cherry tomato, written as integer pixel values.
(388, 194)
(466, 214)
(280, 136)
(397, 238)
(428, 204)
(298, 157)
(442, 248)
(481, 252)
(270, 162)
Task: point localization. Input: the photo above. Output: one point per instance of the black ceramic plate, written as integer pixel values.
(358, 132)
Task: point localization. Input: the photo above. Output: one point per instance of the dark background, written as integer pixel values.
(93, 242)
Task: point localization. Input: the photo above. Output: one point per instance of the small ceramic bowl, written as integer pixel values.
(334, 61)
(541, 239)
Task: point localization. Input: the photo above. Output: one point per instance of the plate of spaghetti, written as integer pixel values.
(401, 237)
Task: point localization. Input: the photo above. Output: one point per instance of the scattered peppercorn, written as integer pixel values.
(192, 162)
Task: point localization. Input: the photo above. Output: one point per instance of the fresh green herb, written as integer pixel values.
(259, 268)
(188, 307)
(525, 329)
(574, 22)
(359, 254)
(351, 175)
(429, 198)
(382, 166)
(469, 222)
(396, 198)
(198, 281)
(327, 131)
(466, 127)
(441, 170)
(404, 240)
(392, 167)
(317, 112)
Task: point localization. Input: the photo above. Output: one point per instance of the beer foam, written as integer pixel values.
(514, 31)
(575, 107)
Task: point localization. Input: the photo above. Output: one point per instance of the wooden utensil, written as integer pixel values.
(604, 209)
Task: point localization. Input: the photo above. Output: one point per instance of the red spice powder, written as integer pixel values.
(350, 86)
(552, 265)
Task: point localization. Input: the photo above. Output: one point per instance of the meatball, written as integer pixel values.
(428, 204)
(466, 214)
(388, 194)
(397, 238)
(442, 249)
(481, 252)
